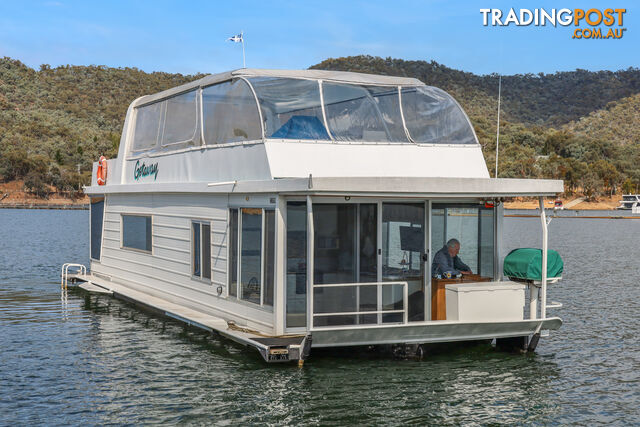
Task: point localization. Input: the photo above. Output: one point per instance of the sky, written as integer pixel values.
(190, 36)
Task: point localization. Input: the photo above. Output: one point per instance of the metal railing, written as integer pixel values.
(382, 309)
(64, 273)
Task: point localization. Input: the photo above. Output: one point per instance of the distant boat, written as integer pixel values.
(629, 201)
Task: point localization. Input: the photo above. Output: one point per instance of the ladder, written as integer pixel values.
(75, 269)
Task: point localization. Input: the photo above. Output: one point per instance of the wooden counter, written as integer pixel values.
(438, 301)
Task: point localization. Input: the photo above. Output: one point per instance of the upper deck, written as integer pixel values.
(261, 125)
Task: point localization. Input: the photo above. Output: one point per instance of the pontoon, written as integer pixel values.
(292, 210)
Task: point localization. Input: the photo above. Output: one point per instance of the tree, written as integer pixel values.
(627, 186)
(591, 183)
(14, 164)
(607, 173)
(35, 183)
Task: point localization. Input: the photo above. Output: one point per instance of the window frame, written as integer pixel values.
(263, 260)
(201, 277)
(128, 248)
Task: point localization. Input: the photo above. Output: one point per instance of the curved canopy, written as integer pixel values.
(250, 105)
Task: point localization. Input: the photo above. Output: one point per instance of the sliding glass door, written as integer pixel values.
(403, 244)
(345, 236)
(356, 243)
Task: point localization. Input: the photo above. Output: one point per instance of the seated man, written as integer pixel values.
(447, 260)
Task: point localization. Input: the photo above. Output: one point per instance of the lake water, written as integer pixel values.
(98, 360)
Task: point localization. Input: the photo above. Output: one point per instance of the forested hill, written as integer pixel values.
(54, 108)
(54, 119)
(541, 99)
(578, 126)
(619, 121)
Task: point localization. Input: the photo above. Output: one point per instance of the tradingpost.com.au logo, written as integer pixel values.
(590, 23)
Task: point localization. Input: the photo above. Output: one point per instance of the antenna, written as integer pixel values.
(498, 127)
(244, 65)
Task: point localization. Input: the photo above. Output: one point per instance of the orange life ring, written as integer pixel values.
(101, 174)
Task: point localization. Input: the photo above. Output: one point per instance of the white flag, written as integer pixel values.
(236, 38)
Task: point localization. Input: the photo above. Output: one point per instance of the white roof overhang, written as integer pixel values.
(358, 186)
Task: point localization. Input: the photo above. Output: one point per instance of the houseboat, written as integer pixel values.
(293, 210)
(629, 202)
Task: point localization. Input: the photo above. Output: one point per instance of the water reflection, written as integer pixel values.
(207, 376)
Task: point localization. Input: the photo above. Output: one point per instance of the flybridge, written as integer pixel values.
(294, 123)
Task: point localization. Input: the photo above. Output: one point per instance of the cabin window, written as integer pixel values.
(269, 255)
(291, 108)
(230, 113)
(296, 307)
(147, 129)
(433, 116)
(473, 227)
(97, 215)
(181, 119)
(136, 232)
(363, 113)
(252, 255)
(233, 253)
(201, 249)
(486, 251)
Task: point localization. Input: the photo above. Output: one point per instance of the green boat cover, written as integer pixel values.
(526, 263)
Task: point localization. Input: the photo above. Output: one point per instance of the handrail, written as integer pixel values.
(64, 273)
(379, 311)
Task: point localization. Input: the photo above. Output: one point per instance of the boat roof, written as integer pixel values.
(431, 187)
(332, 76)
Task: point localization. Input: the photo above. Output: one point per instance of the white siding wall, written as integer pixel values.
(167, 271)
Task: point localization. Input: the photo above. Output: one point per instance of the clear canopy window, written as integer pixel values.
(291, 108)
(181, 119)
(230, 113)
(360, 113)
(171, 122)
(432, 116)
(148, 120)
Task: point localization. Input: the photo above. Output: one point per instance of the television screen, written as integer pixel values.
(411, 239)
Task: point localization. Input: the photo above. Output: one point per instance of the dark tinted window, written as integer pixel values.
(136, 232)
(97, 213)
